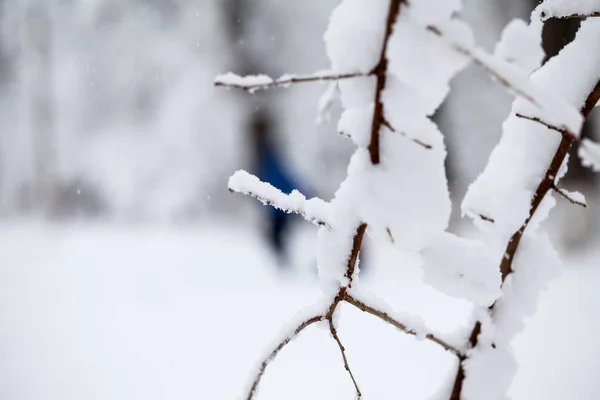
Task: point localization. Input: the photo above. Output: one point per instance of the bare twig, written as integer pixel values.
(305, 324)
(390, 236)
(385, 123)
(569, 198)
(387, 318)
(286, 81)
(343, 351)
(563, 131)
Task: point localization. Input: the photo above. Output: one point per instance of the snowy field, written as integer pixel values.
(111, 313)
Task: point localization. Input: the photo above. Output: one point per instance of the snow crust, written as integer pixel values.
(589, 152)
(463, 268)
(521, 44)
(491, 365)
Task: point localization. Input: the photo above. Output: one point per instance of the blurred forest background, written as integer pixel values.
(108, 111)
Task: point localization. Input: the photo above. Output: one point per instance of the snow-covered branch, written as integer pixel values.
(313, 210)
(568, 9)
(513, 202)
(400, 191)
(252, 83)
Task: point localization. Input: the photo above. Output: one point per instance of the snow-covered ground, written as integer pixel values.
(105, 312)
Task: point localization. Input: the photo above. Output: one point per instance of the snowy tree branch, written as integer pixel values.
(380, 72)
(313, 210)
(253, 83)
(545, 15)
(547, 184)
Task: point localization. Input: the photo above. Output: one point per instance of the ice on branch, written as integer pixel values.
(504, 190)
(521, 44)
(252, 83)
(568, 9)
(313, 210)
(463, 268)
(589, 152)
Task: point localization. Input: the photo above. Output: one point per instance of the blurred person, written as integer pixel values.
(271, 167)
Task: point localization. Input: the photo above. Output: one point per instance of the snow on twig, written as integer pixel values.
(252, 83)
(408, 324)
(313, 210)
(568, 9)
(573, 197)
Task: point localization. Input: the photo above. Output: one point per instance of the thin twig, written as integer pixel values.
(305, 324)
(569, 198)
(563, 131)
(387, 318)
(385, 123)
(286, 81)
(486, 218)
(343, 351)
(390, 236)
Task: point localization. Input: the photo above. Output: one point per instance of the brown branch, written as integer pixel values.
(305, 324)
(286, 81)
(343, 351)
(547, 184)
(387, 318)
(356, 244)
(569, 198)
(385, 123)
(545, 17)
(380, 71)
